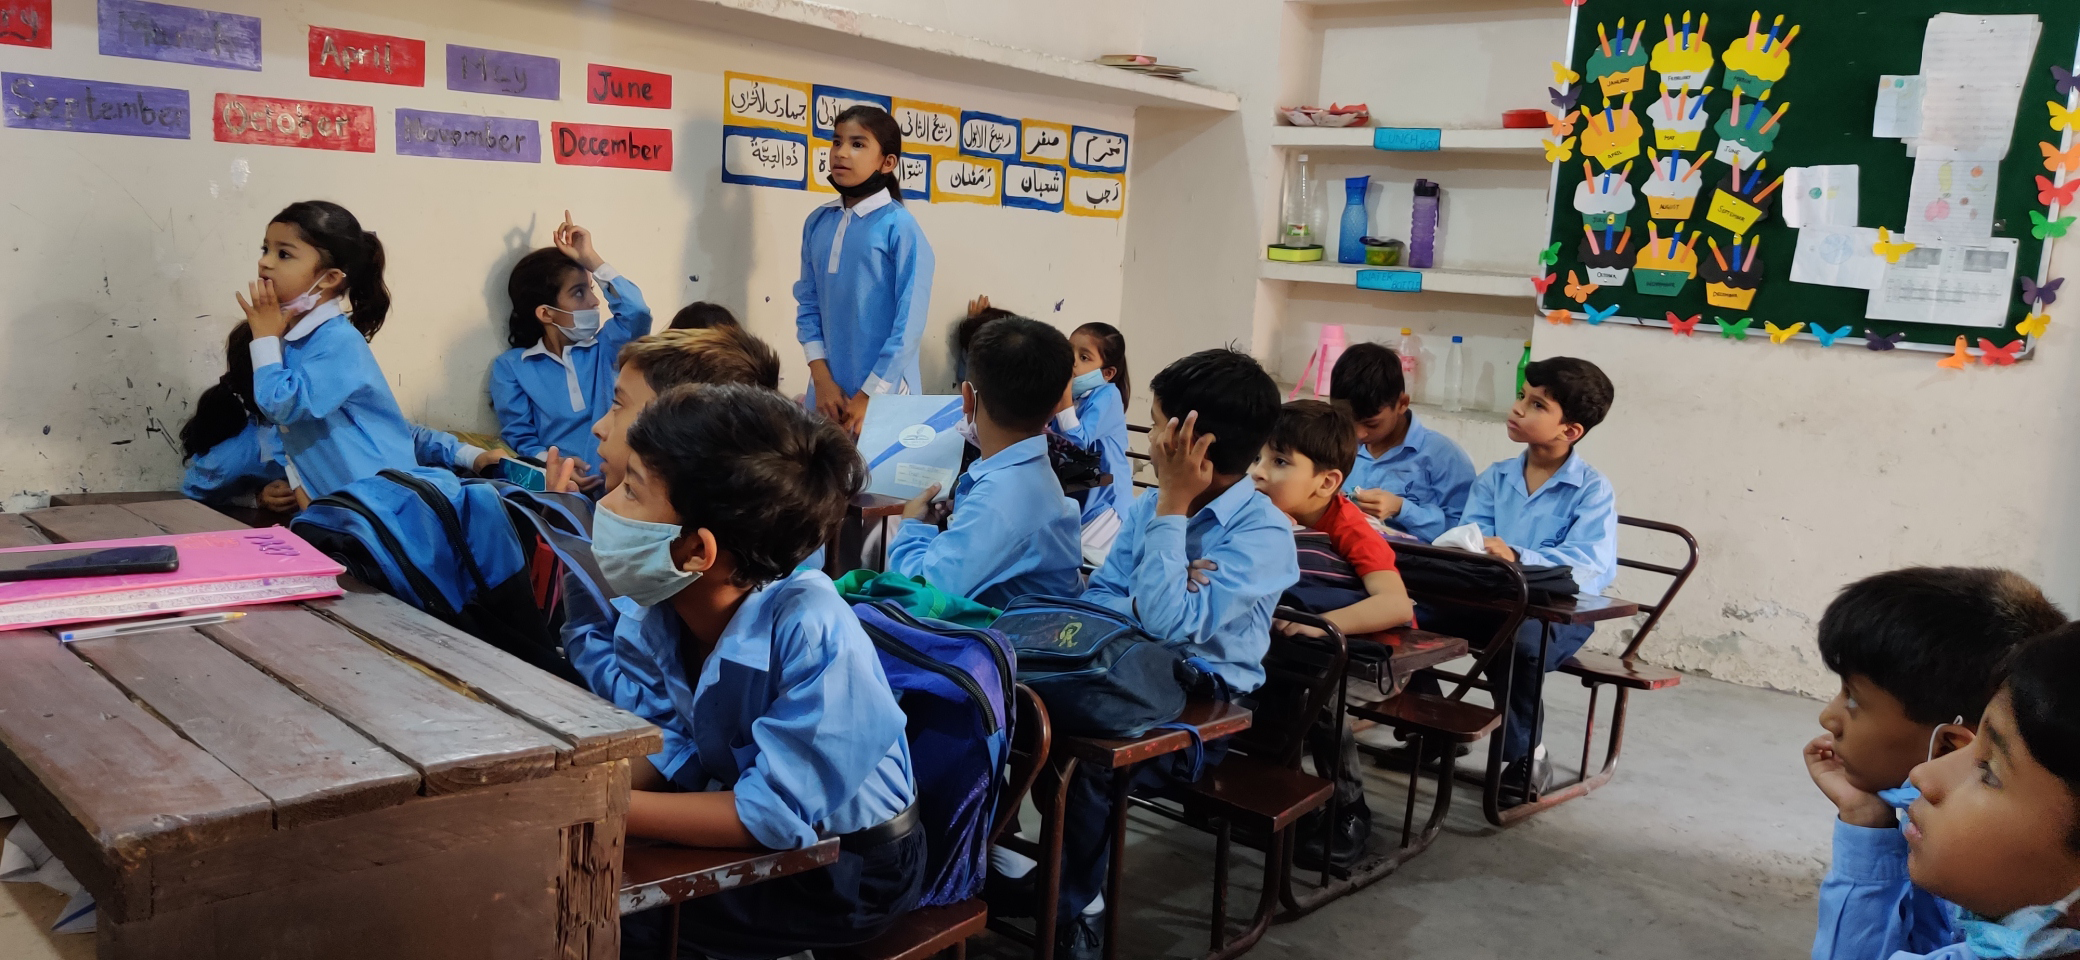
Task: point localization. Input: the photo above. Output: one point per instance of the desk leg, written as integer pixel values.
(1116, 871)
(1048, 890)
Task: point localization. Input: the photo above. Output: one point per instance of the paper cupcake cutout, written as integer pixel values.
(1666, 266)
(1608, 256)
(1747, 131)
(1684, 60)
(1743, 200)
(1679, 119)
(1731, 282)
(1621, 67)
(1672, 191)
(1613, 134)
(1605, 200)
(1755, 63)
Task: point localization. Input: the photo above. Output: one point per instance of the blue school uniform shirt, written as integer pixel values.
(544, 400)
(1012, 532)
(791, 710)
(1870, 908)
(320, 385)
(1099, 422)
(1430, 474)
(866, 283)
(1229, 618)
(1571, 521)
(253, 459)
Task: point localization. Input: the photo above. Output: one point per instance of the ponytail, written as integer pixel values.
(344, 246)
(227, 407)
(366, 291)
(886, 133)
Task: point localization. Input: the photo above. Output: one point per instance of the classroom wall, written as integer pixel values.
(122, 253)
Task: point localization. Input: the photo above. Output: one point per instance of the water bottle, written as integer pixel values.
(1455, 376)
(1422, 230)
(1302, 199)
(1350, 246)
(1523, 362)
(1408, 349)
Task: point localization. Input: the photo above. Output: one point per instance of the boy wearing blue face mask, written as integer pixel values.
(559, 377)
(780, 727)
(1095, 417)
(1916, 649)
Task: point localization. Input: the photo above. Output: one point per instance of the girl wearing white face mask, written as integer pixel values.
(1094, 414)
(559, 377)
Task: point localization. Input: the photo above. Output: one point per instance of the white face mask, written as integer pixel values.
(584, 326)
(636, 557)
(296, 308)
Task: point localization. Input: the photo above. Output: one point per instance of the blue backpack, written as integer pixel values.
(1098, 674)
(955, 685)
(455, 549)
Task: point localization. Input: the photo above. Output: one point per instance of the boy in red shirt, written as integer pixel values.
(1347, 575)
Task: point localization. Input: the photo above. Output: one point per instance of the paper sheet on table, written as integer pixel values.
(1838, 257)
(1974, 68)
(1822, 196)
(1951, 199)
(1899, 107)
(1965, 284)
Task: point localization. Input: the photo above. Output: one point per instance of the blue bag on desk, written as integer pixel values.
(1099, 675)
(955, 685)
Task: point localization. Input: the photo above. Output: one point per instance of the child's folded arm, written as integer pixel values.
(920, 549)
(1385, 607)
(694, 819)
(291, 396)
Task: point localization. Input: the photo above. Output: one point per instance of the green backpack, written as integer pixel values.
(916, 597)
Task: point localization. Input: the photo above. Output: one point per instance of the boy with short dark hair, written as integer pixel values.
(1012, 531)
(651, 365)
(1406, 475)
(702, 315)
(1916, 649)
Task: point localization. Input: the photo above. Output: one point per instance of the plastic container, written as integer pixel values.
(1422, 231)
(1350, 235)
(1523, 362)
(1301, 223)
(1455, 376)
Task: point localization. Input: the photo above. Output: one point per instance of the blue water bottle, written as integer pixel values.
(1349, 240)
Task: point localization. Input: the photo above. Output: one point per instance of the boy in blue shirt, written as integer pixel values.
(1012, 531)
(1406, 476)
(781, 727)
(1917, 649)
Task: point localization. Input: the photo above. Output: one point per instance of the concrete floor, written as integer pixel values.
(1710, 844)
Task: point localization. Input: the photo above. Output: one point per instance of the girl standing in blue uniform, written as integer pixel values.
(559, 376)
(314, 376)
(1098, 422)
(866, 274)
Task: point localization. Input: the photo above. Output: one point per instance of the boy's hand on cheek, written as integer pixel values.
(1178, 453)
(1857, 807)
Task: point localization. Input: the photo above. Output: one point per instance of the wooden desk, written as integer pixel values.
(844, 553)
(1581, 610)
(317, 780)
(655, 874)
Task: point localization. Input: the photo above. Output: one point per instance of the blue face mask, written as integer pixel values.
(636, 557)
(2030, 933)
(1086, 382)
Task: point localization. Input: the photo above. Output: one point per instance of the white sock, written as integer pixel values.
(1097, 906)
(1538, 752)
(1011, 863)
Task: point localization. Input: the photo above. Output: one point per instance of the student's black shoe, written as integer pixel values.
(1346, 842)
(1526, 780)
(1081, 938)
(1011, 896)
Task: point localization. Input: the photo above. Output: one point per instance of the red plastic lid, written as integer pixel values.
(1523, 119)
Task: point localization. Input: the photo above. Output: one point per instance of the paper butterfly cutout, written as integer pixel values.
(1550, 255)
(1559, 152)
(1542, 284)
(2055, 159)
(1681, 327)
(1892, 251)
(1992, 356)
(1578, 291)
(1596, 316)
(1563, 126)
(1562, 75)
(1565, 99)
(1827, 339)
(1871, 340)
(1780, 334)
(2067, 83)
(1559, 318)
(2049, 195)
(2062, 118)
(1734, 331)
(2044, 228)
(1958, 358)
(2033, 325)
(2041, 293)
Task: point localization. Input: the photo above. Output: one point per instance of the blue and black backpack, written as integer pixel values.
(955, 685)
(1097, 672)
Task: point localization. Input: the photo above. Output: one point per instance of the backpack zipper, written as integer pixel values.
(417, 579)
(902, 651)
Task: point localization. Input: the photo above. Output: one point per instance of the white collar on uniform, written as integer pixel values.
(314, 319)
(570, 371)
(866, 205)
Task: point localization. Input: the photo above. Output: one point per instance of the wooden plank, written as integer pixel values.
(592, 730)
(92, 522)
(659, 874)
(305, 760)
(17, 531)
(375, 841)
(588, 919)
(453, 740)
(184, 516)
(1214, 718)
(105, 783)
(92, 499)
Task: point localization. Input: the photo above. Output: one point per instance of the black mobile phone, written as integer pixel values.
(99, 562)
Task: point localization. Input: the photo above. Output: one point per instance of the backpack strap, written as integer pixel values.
(1196, 753)
(444, 510)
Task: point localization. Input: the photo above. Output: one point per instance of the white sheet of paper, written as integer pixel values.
(1822, 196)
(1974, 68)
(1899, 107)
(1951, 199)
(1838, 257)
(1966, 284)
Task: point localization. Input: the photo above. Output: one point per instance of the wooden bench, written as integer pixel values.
(315, 778)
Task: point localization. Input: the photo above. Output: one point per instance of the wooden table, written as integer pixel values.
(337, 778)
(656, 874)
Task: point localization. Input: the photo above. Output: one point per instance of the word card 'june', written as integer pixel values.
(477, 70)
(25, 23)
(89, 106)
(367, 57)
(160, 31)
(627, 87)
(295, 123)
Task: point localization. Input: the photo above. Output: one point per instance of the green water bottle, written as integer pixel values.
(1523, 362)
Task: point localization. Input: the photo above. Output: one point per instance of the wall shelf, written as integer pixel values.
(927, 52)
(1524, 141)
(1478, 283)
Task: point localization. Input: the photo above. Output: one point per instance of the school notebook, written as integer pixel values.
(910, 443)
(222, 569)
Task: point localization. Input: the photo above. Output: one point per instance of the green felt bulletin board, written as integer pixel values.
(1843, 47)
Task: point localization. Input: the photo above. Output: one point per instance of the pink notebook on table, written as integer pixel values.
(220, 569)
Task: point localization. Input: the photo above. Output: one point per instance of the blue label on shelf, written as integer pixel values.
(1392, 281)
(1407, 138)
